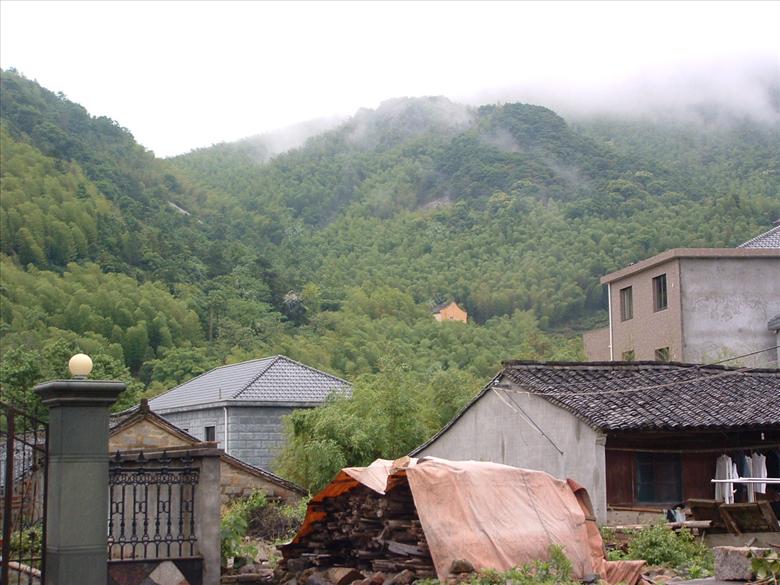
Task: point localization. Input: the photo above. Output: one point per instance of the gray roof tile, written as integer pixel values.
(645, 396)
(272, 379)
(770, 239)
(659, 396)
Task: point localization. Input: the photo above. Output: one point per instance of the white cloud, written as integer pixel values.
(185, 74)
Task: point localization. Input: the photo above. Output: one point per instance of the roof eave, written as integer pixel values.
(237, 403)
(676, 253)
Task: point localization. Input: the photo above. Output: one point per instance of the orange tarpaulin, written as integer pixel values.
(493, 515)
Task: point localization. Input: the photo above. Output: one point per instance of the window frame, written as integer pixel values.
(213, 429)
(660, 293)
(656, 461)
(626, 295)
(662, 354)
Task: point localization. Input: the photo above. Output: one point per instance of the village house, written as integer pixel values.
(449, 311)
(695, 305)
(142, 429)
(641, 434)
(240, 406)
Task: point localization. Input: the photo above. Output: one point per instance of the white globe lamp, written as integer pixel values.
(80, 365)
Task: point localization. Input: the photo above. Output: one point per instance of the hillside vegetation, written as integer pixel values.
(332, 253)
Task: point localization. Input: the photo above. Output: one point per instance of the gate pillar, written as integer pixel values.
(76, 552)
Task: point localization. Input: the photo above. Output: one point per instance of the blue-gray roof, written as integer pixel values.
(769, 239)
(272, 379)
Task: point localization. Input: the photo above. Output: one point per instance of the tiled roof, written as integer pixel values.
(620, 396)
(273, 379)
(651, 396)
(770, 239)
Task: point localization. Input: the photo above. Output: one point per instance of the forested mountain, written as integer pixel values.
(333, 252)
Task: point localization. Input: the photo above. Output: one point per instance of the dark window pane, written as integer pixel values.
(211, 434)
(660, 301)
(658, 478)
(626, 303)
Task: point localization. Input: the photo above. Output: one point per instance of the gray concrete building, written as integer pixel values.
(637, 435)
(241, 405)
(695, 305)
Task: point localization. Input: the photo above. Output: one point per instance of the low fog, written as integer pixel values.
(747, 87)
(713, 94)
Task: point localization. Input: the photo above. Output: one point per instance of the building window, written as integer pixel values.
(211, 434)
(658, 478)
(660, 301)
(662, 354)
(626, 303)
(629, 356)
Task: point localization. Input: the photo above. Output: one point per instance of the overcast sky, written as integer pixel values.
(182, 75)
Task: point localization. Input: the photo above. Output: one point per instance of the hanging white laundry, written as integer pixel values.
(759, 470)
(723, 470)
(751, 494)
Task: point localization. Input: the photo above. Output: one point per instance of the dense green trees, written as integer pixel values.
(333, 252)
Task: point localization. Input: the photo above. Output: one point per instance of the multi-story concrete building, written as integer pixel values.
(695, 305)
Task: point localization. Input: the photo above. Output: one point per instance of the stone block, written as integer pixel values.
(733, 563)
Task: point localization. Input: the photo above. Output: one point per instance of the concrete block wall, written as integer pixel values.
(257, 433)
(196, 421)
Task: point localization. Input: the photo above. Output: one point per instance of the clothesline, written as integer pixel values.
(748, 480)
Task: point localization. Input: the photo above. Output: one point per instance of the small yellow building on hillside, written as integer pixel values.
(450, 311)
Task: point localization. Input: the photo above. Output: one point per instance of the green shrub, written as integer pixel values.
(257, 517)
(234, 525)
(277, 522)
(766, 566)
(26, 543)
(554, 571)
(658, 545)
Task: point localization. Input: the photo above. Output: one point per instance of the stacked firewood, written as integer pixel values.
(366, 531)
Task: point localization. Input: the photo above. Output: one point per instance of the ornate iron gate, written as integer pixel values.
(152, 507)
(24, 442)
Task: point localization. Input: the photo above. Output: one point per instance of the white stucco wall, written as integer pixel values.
(492, 431)
(726, 306)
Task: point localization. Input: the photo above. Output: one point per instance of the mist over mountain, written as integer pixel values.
(330, 242)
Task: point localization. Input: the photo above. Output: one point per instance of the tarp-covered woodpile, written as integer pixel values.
(423, 515)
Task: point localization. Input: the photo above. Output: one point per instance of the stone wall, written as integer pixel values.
(237, 482)
(236, 478)
(144, 435)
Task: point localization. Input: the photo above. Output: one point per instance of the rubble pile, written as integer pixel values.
(366, 531)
